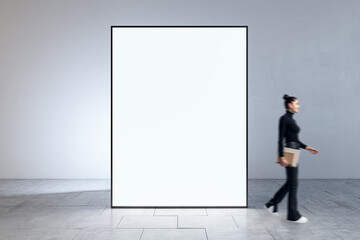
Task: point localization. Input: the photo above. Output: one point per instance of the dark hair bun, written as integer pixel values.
(285, 96)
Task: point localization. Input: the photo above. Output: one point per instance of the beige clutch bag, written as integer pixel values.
(291, 155)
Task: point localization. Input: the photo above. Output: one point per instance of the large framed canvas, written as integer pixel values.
(179, 116)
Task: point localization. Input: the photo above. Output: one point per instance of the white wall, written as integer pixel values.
(55, 90)
(55, 80)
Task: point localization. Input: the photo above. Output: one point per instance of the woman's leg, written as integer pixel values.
(279, 195)
(292, 184)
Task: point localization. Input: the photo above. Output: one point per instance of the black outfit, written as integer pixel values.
(288, 129)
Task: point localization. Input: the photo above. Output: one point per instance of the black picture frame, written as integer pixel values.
(111, 116)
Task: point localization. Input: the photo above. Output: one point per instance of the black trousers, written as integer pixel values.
(289, 187)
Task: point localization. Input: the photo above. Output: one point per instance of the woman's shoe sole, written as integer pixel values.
(270, 210)
(301, 220)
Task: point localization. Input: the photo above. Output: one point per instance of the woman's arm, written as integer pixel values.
(282, 130)
(302, 145)
(312, 150)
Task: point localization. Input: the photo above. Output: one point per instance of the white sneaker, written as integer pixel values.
(271, 209)
(300, 220)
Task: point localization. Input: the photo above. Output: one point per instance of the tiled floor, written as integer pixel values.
(80, 209)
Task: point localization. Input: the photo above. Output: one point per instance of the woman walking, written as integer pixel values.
(289, 130)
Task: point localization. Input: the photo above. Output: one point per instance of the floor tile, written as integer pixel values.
(219, 222)
(180, 211)
(128, 211)
(249, 234)
(109, 234)
(38, 234)
(231, 211)
(174, 234)
(148, 222)
(80, 209)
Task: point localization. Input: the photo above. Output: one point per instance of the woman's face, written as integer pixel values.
(294, 106)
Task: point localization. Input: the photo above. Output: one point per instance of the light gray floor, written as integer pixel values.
(80, 209)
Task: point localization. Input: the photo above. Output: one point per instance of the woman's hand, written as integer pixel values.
(283, 162)
(312, 150)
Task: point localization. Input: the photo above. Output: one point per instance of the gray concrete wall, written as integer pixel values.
(55, 80)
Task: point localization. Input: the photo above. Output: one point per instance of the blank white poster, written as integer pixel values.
(179, 116)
